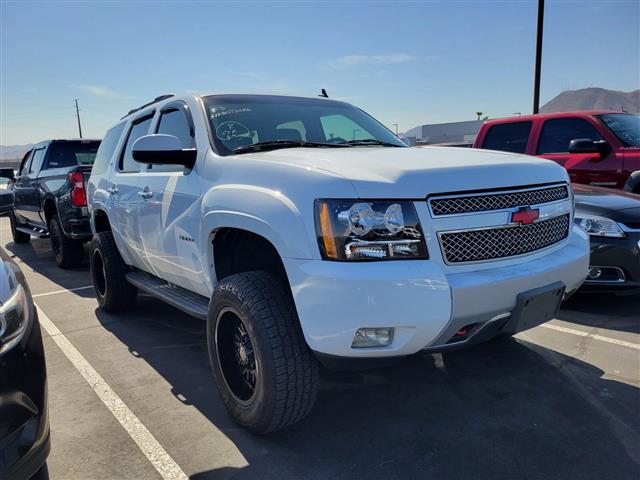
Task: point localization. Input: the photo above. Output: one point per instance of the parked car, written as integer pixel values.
(612, 220)
(597, 148)
(24, 421)
(6, 196)
(50, 197)
(303, 230)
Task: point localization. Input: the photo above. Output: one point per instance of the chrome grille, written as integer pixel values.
(493, 243)
(497, 201)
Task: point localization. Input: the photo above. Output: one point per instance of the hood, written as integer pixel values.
(414, 173)
(614, 204)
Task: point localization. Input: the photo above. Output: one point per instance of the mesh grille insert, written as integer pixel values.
(497, 201)
(502, 242)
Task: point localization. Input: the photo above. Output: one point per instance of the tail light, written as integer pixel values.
(78, 192)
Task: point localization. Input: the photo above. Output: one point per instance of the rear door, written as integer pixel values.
(589, 168)
(169, 205)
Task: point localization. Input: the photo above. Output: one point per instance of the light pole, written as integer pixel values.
(395, 125)
(78, 115)
(536, 80)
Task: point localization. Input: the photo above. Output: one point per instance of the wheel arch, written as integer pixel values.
(633, 182)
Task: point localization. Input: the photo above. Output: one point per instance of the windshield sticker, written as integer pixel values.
(229, 130)
(216, 112)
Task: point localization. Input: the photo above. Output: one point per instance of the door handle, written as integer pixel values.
(112, 190)
(145, 194)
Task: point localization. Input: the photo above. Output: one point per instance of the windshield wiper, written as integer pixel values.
(370, 141)
(275, 144)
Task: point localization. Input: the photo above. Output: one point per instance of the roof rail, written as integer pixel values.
(155, 100)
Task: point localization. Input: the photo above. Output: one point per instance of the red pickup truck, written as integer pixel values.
(596, 147)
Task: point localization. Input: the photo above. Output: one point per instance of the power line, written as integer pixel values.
(78, 116)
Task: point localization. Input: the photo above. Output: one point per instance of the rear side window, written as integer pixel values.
(557, 133)
(139, 129)
(107, 147)
(70, 154)
(338, 128)
(508, 137)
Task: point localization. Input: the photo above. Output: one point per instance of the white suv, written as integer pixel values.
(303, 230)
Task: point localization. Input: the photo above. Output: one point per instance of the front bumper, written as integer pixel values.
(623, 254)
(24, 422)
(425, 305)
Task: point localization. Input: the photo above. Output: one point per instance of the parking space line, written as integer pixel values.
(591, 335)
(150, 447)
(62, 291)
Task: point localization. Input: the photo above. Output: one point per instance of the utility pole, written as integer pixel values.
(395, 125)
(536, 80)
(78, 116)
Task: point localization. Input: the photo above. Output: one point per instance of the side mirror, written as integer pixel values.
(7, 173)
(163, 150)
(585, 145)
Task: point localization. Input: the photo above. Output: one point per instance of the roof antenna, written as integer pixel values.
(323, 94)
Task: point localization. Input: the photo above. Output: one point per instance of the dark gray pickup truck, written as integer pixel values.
(50, 197)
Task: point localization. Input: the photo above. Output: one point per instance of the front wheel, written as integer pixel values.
(265, 372)
(68, 252)
(108, 272)
(17, 235)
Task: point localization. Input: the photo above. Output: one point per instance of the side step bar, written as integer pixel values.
(36, 232)
(189, 302)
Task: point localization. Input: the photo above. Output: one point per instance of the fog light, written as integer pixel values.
(594, 272)
(372, 337)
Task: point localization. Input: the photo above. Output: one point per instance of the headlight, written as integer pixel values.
(369, 230)
(14, 318)
(599, 226)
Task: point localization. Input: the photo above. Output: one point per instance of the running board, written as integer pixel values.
(189, 302)
(36, 232)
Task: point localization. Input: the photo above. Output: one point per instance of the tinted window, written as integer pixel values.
(624, 126)
(508, 137)
(140, 129)
(36, 161)
(174, 122)
(70, 154)
(24, 166)
(557, 133)
(107, 147)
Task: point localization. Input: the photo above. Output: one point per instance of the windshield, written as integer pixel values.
(238, 121)
(69, 154)
(624, 126)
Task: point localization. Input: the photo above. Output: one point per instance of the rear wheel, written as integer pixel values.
(18, 236)
(68, 252)
(108, 272)
(265, 372)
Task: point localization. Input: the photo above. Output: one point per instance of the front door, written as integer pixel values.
(125, 189)
(169, 212)
(26, 191)
(587, 168)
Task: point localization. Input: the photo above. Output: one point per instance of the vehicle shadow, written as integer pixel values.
(38, 256)
(594, 309)
(505, 409)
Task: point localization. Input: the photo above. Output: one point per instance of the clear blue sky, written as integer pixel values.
(404, 62)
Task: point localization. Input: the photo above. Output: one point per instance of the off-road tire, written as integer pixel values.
(18, 237)
(68, 251)
(287, 372)
(108, 271)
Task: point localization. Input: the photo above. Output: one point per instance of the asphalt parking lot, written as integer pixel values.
(559, 401)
